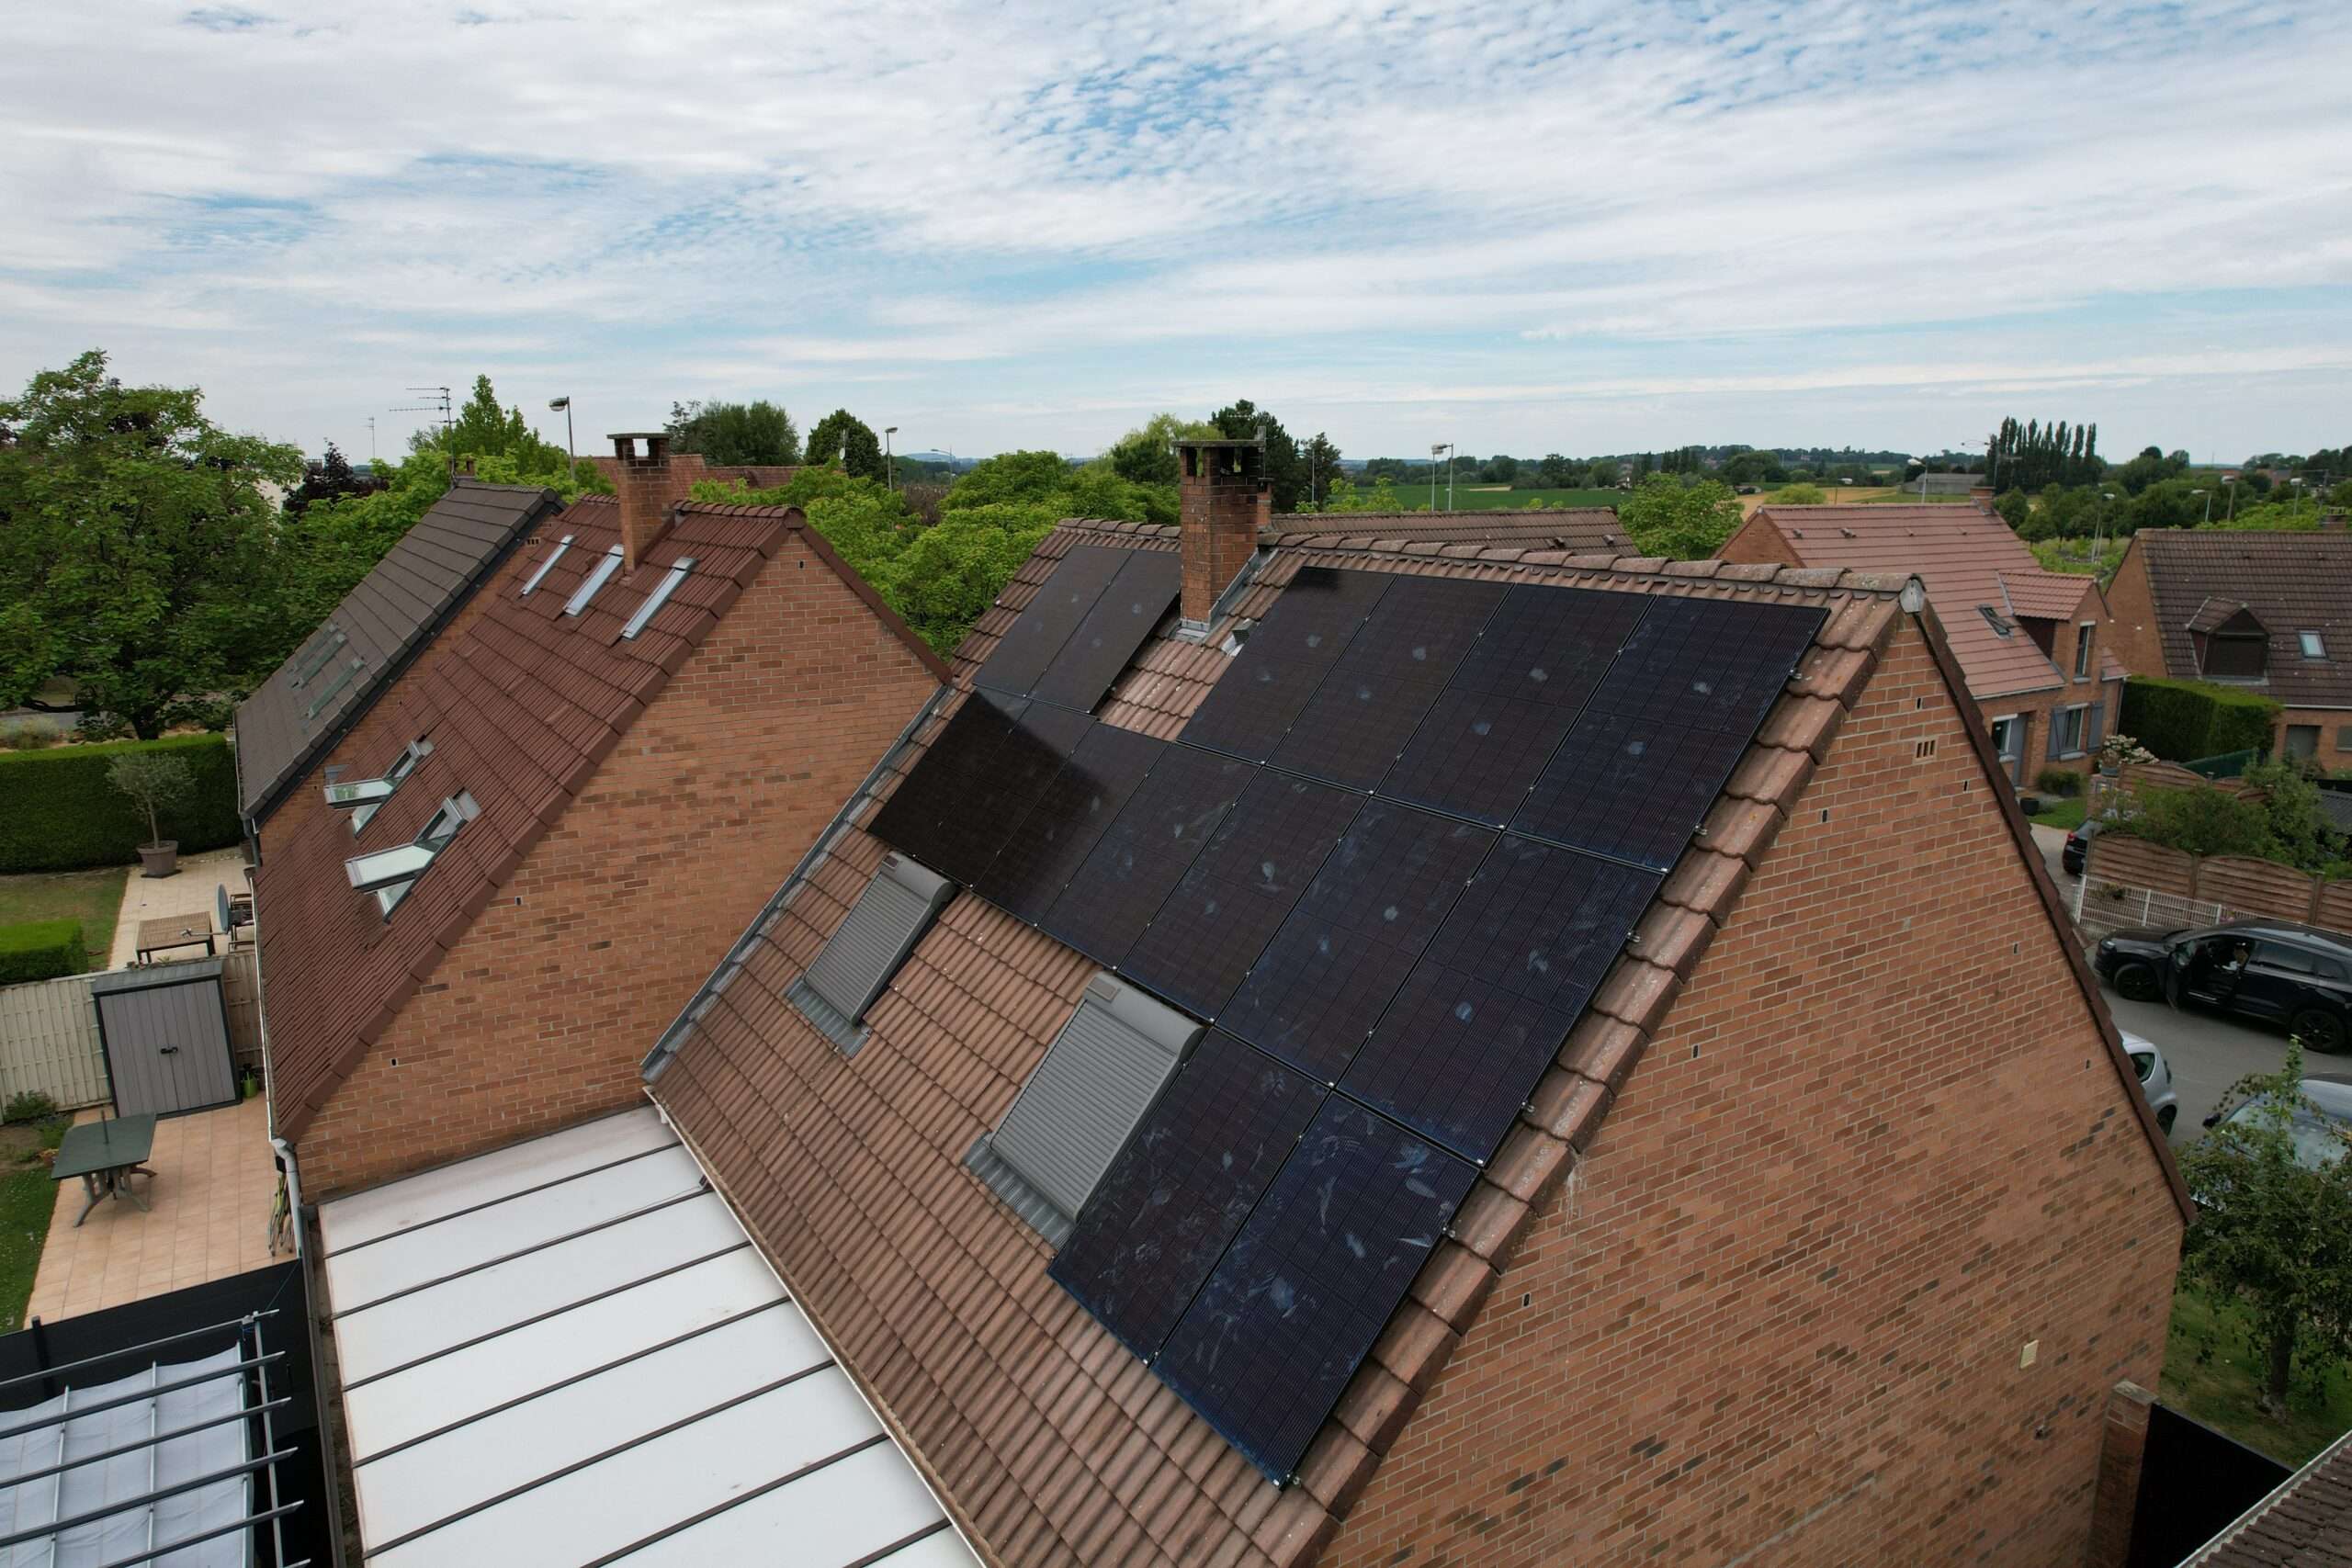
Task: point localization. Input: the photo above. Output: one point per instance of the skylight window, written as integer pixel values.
(659, 597)
(597, 579)
(316, 659)
(539, 573)
(362, 796)
(327, 692)
(389, 873)
(2000, 627)
(2314, 645)
(868, 946)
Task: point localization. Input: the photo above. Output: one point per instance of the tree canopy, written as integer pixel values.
(136, 545)
(728, 434)
(841, 437)
(331, 478)
(1665, 517)
(1286, 472)
(1146, 455)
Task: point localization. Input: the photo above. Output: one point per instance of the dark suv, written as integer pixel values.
(2297, 976)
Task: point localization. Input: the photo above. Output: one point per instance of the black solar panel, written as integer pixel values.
(987, 807)
(1130, 872)
(1321, 983)
(1106, 640)
(1485, 1010)
(1234, 897)
(1028, 646)
(1286, 659)
(1071, 814)
(1664, 728)
(1178, 1192)
(1488, 735)
(1359, 719)
(949, 771)
(1269, 1344)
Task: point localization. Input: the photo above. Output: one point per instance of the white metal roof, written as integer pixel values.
(567, 1351)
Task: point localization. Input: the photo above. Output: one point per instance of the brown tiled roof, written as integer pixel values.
(1961, 554)
(2048, 595)
(2306, 1523)
(2292, 581)
(1585, 528)
(520, 709)
(1053, 1443)
(422, 581)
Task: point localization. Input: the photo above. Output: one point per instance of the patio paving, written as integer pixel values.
(209, 1217)
(188, 893)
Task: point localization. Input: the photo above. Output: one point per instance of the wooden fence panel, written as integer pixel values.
(2135, 862)
(49, 1043)
(2249, 886)
(240, 988)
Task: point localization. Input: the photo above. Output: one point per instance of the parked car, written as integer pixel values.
(2078, 845)
(2320, 1130)
(2155, 1078)
(2297, 976)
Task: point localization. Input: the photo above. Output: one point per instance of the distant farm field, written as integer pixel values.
(1485, 500)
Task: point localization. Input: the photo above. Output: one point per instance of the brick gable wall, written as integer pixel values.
(2137, 641)
(542, 1012)
(1877, 1146)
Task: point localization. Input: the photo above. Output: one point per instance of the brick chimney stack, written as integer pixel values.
(651, 485)
(1223, 501)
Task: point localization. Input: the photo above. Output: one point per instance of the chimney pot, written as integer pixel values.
(1224, 500)
(650, 487)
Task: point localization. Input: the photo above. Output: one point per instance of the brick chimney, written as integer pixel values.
(651, 485)
(1223, 501)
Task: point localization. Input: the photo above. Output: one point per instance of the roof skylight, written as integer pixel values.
(327, 692)
(597, 578)
(389, 873)
(659, 597)
(364, 795)
(316, 659)
(539, 572)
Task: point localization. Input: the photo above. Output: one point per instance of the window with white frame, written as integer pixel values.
(2007, 734)
(389, 873)
(2085, 637)
(603, 569)
(539, 572)
(2068, 729)
(363, 798)
(2314, 645)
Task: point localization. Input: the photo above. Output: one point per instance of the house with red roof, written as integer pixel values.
(2037, 648)
(1363, 1049)
(515, 800)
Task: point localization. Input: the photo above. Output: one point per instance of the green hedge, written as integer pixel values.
(58, 813)
(2182, 721)
(40, 950)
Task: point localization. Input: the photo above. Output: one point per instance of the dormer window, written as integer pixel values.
(389, 873)
(362, 796)
(2235, 656)
(2314, 645)
(597, 578)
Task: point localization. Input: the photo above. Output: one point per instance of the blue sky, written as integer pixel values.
(1520, 227)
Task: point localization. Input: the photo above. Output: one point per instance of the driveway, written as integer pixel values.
(2206, 1052)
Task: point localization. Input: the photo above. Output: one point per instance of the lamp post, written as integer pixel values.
(1437, 450)
(570, 453)
(890, 463)
(2209, 503)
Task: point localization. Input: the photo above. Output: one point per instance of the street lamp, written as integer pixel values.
(2209, 503)
(563, 405)
(890, 463)
(1437, 450)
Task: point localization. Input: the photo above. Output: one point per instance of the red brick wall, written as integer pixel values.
(1877, 1147)
(1757, 542)
(1220, 513)
(541, 1013)
(2135, 635)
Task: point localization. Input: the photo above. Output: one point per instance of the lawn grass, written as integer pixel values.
(28, 1196)
(2223, 1388)
(2058, 811)
(92, 898)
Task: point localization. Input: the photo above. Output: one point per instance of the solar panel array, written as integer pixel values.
(1389, 859)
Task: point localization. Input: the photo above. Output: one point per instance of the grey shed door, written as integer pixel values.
(167, 1048)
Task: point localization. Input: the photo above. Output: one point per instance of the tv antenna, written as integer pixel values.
(371, 441)
(438, 403)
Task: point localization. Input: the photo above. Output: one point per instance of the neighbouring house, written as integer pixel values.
(482, 899)
(2269, 612)
(756, 476)
(423, 586)
(1327, 1048)
(2034, 645)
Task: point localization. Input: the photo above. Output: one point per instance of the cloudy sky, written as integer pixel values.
(1526, 226)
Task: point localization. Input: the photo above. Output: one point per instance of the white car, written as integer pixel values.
(2155, 1078)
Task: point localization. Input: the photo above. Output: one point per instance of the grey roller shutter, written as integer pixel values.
(1097, 1079)
(882, 928)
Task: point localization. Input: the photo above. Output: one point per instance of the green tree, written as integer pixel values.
(2015, 506)
(1322, 461)
(841, 437)
(730, 433)
(155, 781)
(1799, 495)
(1753, 469)
(1286, 472)
(1146, 455)
(332, 478)
(1556, 471)
(1664, 518)
(137, 548)
(2273, 1235)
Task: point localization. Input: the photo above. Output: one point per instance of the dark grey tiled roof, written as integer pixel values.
(295, 716)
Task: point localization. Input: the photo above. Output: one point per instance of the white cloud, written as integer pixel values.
(1588, 226)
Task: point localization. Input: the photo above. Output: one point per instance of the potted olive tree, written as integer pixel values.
(156, 784)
